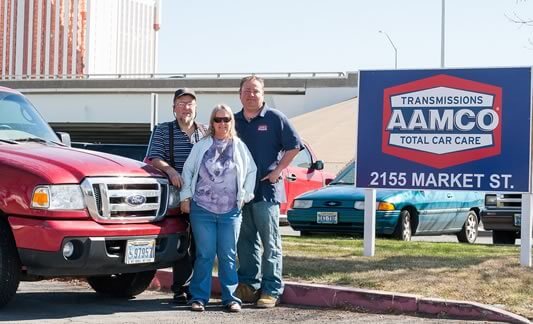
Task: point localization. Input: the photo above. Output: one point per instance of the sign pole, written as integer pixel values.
(370, 223)
(525, 230)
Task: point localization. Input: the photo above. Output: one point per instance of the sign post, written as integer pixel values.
(370, 223)
(525, 230)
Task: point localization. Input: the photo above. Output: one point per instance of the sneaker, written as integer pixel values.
(267, 301)
(233, 307)
(180, 298)
(246, 293)
(197, 306)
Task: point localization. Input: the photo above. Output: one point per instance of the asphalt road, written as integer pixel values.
(484, 237)
(74, 302)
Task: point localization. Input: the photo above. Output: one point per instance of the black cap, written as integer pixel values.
(184, 92)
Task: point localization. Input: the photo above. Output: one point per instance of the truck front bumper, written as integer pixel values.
(100, 251)
(501, 219)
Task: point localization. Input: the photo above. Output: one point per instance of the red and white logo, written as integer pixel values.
(442, 121)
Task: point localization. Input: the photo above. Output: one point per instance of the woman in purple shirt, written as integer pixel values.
(218, 179)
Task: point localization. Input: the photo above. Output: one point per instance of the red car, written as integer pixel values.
(305, 173)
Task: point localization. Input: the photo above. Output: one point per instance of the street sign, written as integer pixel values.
(453, 129)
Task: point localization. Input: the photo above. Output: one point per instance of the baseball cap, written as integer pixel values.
(184, 92)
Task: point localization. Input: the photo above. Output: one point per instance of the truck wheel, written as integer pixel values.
(9, 264)
(403, 228)
(503, 237)
(468, 233)
(125, 285)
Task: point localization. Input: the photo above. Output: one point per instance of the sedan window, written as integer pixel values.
(346, 176)
(302, 159)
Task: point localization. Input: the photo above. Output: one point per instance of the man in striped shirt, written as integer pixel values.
(170, 146)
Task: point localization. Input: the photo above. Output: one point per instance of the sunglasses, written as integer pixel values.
(222, 119)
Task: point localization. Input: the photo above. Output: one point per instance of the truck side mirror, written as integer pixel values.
(64, 137)
(318, 165)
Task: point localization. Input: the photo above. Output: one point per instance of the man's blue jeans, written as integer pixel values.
(215, 235)
(260, 226)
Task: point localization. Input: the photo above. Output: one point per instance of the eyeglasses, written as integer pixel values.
(184, 104)
(222, 119)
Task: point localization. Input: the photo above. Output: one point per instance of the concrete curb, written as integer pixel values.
(371, 301)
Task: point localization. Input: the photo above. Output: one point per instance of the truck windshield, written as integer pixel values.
(19, 120)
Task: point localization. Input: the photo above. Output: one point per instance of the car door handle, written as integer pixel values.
(450, 195)
(291, 177)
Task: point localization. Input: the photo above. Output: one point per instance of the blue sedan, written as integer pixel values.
(339, 208)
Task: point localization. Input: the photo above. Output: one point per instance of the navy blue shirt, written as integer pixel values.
(267, 136)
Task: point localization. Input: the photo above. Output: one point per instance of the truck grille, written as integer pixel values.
(126, 200)
(509, 200)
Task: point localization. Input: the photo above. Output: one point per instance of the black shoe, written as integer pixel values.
(180, 298)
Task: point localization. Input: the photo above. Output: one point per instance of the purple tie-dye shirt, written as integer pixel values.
(216, 189)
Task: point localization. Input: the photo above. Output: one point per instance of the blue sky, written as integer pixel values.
(243, 36)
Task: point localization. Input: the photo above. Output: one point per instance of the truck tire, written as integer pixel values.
(468, 233)
(503, 237)
(9, 264)
(123, 285)
(403, 229)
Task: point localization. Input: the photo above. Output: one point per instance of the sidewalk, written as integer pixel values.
(371, 301)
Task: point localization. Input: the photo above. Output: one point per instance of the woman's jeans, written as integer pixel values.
(215, 235)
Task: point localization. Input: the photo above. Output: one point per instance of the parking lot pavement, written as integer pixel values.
(337, 297)
(484, 237)
(74, 302)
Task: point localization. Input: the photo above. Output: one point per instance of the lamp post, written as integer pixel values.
(442, 32)
(394, 47)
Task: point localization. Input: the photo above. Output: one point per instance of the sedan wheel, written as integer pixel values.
(468, 233)
(403, 229)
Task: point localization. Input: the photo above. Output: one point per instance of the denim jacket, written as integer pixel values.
(246, 170)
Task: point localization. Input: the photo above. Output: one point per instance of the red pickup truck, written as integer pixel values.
(74, 212)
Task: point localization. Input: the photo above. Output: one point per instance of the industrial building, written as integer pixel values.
(42, 39)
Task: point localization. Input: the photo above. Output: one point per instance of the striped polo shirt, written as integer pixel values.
(160, 143)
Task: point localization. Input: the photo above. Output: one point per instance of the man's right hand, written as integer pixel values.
(174, 177)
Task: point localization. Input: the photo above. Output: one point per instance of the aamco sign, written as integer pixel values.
(458, 129)
(455, 119)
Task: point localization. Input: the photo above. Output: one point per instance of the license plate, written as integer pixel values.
(517, 219)
(326, 218)
(140, 251)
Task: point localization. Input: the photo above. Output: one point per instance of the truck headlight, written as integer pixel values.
(302, 203)
(57, 197)
(491, 200)
(173, 197)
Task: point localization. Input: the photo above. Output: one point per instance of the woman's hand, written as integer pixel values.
(185, 206)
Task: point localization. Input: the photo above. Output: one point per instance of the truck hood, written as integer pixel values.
(59, 164)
